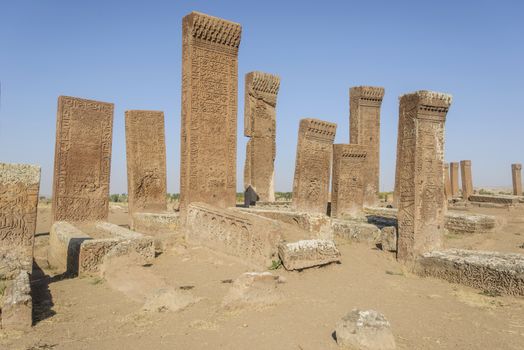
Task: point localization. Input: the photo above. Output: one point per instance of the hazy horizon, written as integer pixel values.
(129, 53)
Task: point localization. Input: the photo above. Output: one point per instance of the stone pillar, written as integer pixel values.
(467, 182)
(313, 165)
(447, 182)
(349, 167)
(421, 185)
(261, 91)
(516, 174)
(209, 110)
(364, 120)
(84, 131)
(454, 178)
(146, 161)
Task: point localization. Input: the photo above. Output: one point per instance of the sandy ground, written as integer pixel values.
(88, 313)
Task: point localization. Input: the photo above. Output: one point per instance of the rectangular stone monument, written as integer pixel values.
(209, 110)
(447, 182)
(19, 186)
(516, 175)
(313, 165)
(364, 119)
(421, 206)
(146, 161)
(454, 178)
(467, 181)
(261, 91)
(349, 171)
(82, 160)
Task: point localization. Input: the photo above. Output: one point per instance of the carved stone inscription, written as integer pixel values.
(349, 169)
(467, 181)
(260, 125)
(516, 174)
(454, 178)
(421, 182)
(19, 186)
(209, 110)
(82, 160)
(313, 165)
(364, 120)
(146, 161)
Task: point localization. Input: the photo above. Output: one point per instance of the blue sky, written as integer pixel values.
(129, 53)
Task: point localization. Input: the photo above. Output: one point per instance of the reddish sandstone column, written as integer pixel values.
(516, 174)
(467, 182)
(421, 183)
(454, 178)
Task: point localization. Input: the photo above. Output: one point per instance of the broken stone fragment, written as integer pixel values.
(388, 238)
(18, 305)
(365, 330)
(253, 289)
(308, 253)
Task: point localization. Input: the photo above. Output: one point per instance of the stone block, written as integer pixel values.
(388, 238)
(355, 230)
(365, 330)
(64, 247)
(308, 253)
(17, 304)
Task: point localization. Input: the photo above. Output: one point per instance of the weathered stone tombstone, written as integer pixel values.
(19, 187)
(467, 181)
(82, 159)
(146, 161)
(251, 197)
(421, 206)
(365, 102)
(454, 178)
(349, 172)
(261, 91)
(209, 110)
(313, 165)
(447, 183)
(516, 175)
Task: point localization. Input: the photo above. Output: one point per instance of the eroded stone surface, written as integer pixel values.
(253, 289)
(365, 330)
(447, 183)
(495, 272)
(469, 223)
(261, 91)
(388, 238)
(516, 176)
(146, 161)
(82, 160)
(17, 304)
(308, 253)
(364, 120)
(454, 178)
(467, 180)
(156, 223)
(495, 199)
(209, 110)
(350, 172)
(64, 247)
(313, 165)
(421, 182)
(355, 230)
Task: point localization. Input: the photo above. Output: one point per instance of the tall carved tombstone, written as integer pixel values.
(209, 110)
(516, 175)
(467, 181)
(19, 187)
(454, 178)
(146, 161)
(84, 131)
(261, 91)
(364, 129)
(421, 182)
(447, 182)
(313, 165)
(349, 170)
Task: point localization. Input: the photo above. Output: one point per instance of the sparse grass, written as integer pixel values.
(393, 273)
(483, 191)
(490, 293)
(96, 280)
(275, 265)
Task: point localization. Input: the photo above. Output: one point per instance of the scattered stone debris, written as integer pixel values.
(365, 330)
(308, 253)
(253, 289)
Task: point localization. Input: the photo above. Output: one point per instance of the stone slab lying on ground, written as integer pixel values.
(381, 216)
(355, 230)
(319, 224)
(156, 223)
(17, 304)
(497, 199)
(253, 289)
(469, 223)
(75, 252)
(501, 273)
(365, 330)
(308, 253)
